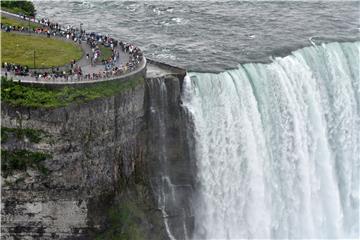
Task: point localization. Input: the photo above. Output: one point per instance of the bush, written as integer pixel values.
(19, 7)
(21, 160)
(33, 135)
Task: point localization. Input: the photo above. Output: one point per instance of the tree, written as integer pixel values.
(23, 7)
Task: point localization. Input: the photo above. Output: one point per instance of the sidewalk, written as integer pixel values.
(84, 63)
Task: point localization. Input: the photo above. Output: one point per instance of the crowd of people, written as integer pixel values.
(94, 41)
(77, 74)
(135, 54)
(16, 68)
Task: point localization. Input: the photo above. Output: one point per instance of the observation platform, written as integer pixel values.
(145, 68)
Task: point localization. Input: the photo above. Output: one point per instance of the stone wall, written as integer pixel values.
(169, 141)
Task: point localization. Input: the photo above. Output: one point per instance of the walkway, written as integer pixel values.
(84, 63)
(153, 69)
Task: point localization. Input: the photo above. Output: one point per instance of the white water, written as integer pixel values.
(277, 146)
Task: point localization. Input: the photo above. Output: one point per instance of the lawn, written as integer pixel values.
(49, 52)
(105, 53)
(18, 22)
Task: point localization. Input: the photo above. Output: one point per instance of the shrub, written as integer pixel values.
(33, 135)
(19, 7)
(21, 160)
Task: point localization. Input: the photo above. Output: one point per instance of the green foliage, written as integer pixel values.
(124, 222)
(4, 136)
(33, 135)
(49, 52)
(16, 94)
(23, 7)
(21, 160)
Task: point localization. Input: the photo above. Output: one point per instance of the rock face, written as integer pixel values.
(171, 166)
(114, 164)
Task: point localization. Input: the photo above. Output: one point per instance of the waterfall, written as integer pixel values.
(277, 146)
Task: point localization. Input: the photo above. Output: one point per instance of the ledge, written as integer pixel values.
(141, 71)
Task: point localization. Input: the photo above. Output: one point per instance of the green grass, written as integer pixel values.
(21, 160)
(33, 135)
(16, 94)
(49, 52)
(105, 53)
(18, 22)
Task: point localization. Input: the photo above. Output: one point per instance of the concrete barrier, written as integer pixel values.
(140, 72)
(175, 70)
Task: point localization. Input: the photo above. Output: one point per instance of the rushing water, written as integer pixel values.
(212, 36)
(277, 146)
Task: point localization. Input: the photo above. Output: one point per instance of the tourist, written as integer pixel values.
(92, 39)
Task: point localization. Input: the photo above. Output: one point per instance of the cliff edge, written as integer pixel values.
(95, 170)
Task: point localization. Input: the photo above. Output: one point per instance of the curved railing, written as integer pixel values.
(141, 69)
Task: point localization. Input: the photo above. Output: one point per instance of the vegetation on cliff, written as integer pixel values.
(21, 160)
(48, 52)
(132, 216)
(33, 135)
(15, 159)
(124, 223)
(17, 94)
(19, 7)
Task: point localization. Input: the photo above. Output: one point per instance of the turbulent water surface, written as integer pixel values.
(212, 36)
(276, 143)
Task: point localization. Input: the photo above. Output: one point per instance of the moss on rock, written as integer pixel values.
(33, 135)
(133, 216)
(21, 160)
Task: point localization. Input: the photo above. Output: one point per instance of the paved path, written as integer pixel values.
(153, 70)
(125, 76)
(84, 63)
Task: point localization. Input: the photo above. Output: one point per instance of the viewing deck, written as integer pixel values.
(125, 61)
(148, 68)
